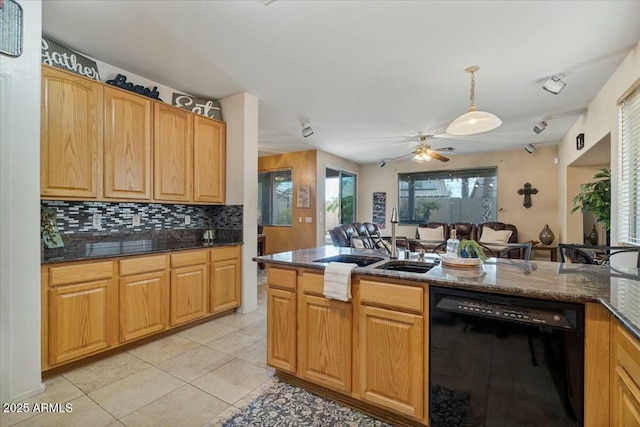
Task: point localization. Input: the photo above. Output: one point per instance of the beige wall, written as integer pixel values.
(301, 234)
(515, 168)
(600, 119)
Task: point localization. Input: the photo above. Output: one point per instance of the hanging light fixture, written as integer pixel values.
(473, 121)
(421, 155)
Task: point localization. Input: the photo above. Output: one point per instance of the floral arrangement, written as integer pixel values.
(471, 249)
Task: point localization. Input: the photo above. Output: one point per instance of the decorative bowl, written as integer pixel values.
(452, 260)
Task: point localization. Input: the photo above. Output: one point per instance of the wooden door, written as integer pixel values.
(172, 153)
(127, 145)
(70, 136)
(324, 341)
(81, 319)
(144, 304)
(209, 160)
(225, 290)
(188, 293)
(392, 360)
(281, 329)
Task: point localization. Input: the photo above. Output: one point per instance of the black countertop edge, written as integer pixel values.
(628, 324)
(112, 251)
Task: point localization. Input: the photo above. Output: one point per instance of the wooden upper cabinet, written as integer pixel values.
(127, 145)
(173, 153)
(209, 160)
(71, 136)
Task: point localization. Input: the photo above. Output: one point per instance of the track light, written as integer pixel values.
(530, 148)
(540, 126)
(306, 130)
(555, 84)
(382, 163)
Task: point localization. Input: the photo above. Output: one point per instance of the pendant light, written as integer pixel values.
(474, 121)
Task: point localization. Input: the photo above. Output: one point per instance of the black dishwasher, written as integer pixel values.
(504, 361)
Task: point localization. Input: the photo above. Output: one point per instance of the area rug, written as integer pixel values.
(283, 405)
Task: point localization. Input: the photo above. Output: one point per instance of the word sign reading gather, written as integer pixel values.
(204, 107)
(121, 81)
(66, 59)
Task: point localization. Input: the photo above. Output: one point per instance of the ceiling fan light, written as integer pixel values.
(474, 122)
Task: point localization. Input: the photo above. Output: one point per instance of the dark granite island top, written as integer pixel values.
(85, 246)
(617, 288)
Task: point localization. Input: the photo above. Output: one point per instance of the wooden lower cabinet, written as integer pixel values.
(324, 341)
(281, 329)
(391, 360)
(82, 319)
(625, 377)
(226, 279)
(144, 303)
(189, 293)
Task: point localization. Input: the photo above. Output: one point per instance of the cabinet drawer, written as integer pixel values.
(77, 273)
(627, 352)
(312, 283)
(225, 252)
(281, 278)
(184, 259)
(409, 298)
(142, 265)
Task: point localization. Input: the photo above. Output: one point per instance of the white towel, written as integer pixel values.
(337, 280)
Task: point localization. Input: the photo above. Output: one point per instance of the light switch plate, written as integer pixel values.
(97, 220)
(187, 219)
(135, 220)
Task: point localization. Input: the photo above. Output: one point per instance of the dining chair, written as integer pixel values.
(586, 254)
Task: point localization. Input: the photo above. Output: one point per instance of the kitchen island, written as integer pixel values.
(372, 352)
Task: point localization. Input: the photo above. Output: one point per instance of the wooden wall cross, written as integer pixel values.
(527, 191)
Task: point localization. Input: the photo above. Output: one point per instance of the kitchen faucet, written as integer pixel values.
(394, 220)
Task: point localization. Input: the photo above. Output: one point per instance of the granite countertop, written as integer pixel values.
(618, 289)
(86, 246)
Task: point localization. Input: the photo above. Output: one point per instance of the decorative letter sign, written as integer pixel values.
(204, 107)
(121, 81)
(66, 59)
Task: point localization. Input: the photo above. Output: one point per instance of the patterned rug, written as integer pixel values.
(283, 405)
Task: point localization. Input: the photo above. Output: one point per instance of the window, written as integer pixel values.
(448, 196)
(629, 169)
(275, 195)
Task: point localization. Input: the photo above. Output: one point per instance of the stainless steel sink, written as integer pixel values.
(361, 260)
(406, 266)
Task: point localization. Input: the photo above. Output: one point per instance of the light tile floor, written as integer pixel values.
(195, 377)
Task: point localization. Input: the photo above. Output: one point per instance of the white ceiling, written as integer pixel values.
(367, 75)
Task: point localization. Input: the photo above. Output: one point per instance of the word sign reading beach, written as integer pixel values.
(66, 59)
(121, 82)
(204, 107)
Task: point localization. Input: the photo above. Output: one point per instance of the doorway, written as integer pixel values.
(340, 199)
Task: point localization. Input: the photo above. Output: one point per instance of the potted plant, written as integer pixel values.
(595, 197)
(471, 249)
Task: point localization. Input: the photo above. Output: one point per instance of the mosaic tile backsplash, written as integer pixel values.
(77, 217)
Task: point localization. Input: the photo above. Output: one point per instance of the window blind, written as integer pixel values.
(629, 169)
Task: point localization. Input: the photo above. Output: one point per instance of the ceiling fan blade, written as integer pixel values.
(437, 156)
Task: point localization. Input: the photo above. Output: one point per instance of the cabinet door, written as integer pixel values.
(127, 145)
(144, 304)
(392, 359)
(281, 329)
(71, 136)
(225, 285)
(209, 160)
(625, 400)
(82, 320)
(173, 152)
(188, 293)
(324, 341)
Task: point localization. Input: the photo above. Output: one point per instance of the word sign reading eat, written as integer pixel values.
(121, 81)
(204, 107)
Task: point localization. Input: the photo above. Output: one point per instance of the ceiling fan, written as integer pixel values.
(424, 153)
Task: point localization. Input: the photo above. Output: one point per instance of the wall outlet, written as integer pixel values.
(187, 219)
(97, 220)
(308, 219)
(135, 220)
